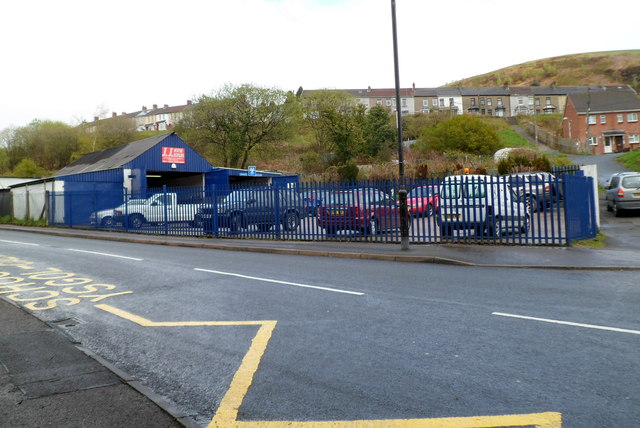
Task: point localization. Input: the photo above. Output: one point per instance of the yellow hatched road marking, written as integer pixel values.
(227, 414)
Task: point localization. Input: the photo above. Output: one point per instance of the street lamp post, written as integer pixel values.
(402, 192)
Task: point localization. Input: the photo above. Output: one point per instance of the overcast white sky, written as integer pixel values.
(70, 60)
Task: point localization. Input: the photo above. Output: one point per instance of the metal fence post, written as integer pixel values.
(165, 209)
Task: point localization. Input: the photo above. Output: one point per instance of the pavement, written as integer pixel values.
(47, 380)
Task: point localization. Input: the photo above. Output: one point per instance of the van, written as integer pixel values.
(482, 205)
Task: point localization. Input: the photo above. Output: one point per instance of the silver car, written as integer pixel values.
(623, 192)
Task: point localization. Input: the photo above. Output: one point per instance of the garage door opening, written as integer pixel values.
(157, 179)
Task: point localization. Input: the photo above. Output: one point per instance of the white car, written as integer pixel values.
(104, 218)
(482, 204)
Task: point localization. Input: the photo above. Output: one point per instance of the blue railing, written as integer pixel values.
(517, 209)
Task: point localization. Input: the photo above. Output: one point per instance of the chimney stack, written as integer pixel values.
(96, 118)
(166, 106)
(188, 102)
(144, 108)
(114, 114)
(155, 106)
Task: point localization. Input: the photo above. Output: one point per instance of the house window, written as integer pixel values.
(537, 101)
(473, 101)
(632, 117)
(379, 102)
(388, 103)
(425, 103)
(490, 112)
(592, 120)
(404, 102)
(434, 102)
(489, 101)
(620, 118)
(481, 101)
(520, 100)
(441, 102)
(450, 102)
(634, 139)
(530, 99)
(499, 101)
(603, 118)
(548, 101)
(593, 141)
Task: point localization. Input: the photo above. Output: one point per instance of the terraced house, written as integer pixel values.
(603, 121)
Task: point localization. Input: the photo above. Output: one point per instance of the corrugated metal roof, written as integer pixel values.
(112, 158)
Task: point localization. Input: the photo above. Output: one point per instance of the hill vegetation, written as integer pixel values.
(595, 68)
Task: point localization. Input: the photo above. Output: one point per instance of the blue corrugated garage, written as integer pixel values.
(106, 178)
(150, 163)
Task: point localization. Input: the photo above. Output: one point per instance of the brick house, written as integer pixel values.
(604, 121)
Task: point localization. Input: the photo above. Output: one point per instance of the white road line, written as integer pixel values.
(20, 243)
(295, 284)
(575, 324)
(105, 254)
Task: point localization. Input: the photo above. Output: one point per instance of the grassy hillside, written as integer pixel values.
(595, 68)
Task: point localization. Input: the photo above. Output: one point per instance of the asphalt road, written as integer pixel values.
(337, 339)
(607, 164)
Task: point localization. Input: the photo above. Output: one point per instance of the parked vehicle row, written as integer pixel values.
(479, 204)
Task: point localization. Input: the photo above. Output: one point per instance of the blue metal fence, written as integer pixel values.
(518, 210)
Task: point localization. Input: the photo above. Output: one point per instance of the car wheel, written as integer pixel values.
(264, 227)
(524, 228)
(446, 230)
(372, 227)
(616, 210)
(235, 223)
(197, 221)
(107, 221)
(532, 203)
(497, 229)
(430, 210)
(136, 221)
(291, 221)
(609, 207)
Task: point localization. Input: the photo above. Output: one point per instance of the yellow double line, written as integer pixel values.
(227, 414)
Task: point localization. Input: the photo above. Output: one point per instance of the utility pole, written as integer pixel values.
(402, 192)
(588, 114)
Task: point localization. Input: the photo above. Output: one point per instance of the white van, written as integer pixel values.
(481, 204)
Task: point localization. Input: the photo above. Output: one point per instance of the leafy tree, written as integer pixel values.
(343, 131)
(49, 144)
(461, 133)
(321, 102)
(379, 132)
(27, 168)
(413, 125)
(227, 126)
(114, 132)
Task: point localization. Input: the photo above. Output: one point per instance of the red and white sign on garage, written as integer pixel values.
(173, 155)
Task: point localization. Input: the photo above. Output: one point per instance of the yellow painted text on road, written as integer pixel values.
(227, 414)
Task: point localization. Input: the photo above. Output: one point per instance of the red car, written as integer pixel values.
(361, 210)
(423, 201)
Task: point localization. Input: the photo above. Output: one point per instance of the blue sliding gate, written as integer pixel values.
(462, 209)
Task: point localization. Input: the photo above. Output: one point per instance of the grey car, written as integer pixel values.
(623, 192)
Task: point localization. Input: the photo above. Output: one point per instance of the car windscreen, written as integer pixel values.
(467, 189)
(631, 182)
(236, 196)
(421, 192)
(343, 198)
